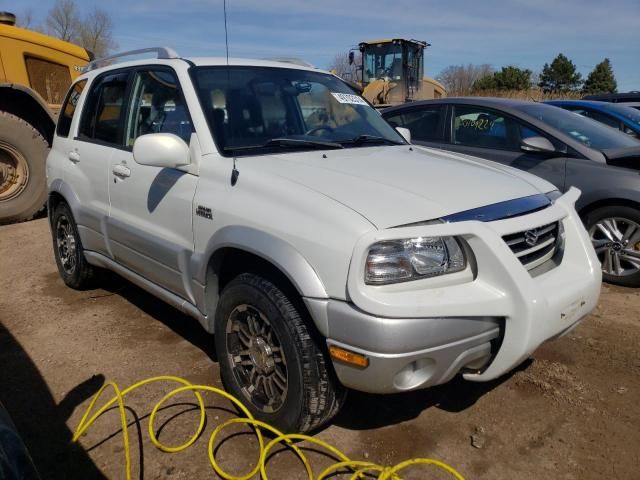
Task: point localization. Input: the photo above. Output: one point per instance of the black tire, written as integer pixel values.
(312, 395)
(627, 249)
(67, 248)
(23, 145)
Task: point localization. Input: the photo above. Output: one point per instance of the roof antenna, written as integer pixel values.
(234, 173)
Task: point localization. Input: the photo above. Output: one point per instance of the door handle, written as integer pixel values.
(74, 156)
(121, 171)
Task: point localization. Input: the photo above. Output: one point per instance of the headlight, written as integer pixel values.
(394, 261)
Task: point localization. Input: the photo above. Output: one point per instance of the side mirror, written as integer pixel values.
(405, 132)
(537, 144)
(164, 150)
(351, 57)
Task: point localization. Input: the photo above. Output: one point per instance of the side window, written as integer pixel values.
(597, 116)
(157, 106)
(478, 127)
(102, 112)
(69, 108)
(603, 118)
(424, 124)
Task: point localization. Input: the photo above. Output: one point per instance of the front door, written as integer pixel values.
(150, 220)
(489, 134)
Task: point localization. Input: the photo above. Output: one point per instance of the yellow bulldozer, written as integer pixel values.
(35, 73)
(392, 72)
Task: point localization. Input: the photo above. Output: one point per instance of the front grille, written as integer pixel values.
(535, 246)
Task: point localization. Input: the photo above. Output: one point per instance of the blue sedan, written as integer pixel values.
(615, 115)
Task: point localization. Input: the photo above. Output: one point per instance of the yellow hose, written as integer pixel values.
(359, 468)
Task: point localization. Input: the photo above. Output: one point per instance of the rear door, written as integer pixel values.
(150, 220)
(491, 134)
(89, 154)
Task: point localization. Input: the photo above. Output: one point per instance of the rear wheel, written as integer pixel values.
(615, 233)
(23, 154)
(67, 247)
(269, 359)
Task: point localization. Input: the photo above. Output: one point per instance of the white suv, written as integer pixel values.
(322, 249)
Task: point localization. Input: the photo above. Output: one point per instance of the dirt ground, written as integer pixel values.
(572, 412)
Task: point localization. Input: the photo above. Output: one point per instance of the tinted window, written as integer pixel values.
(102, 113)
(588, 132)
(597, 116)
(157, 106)
(254, 109)
(424, 123)
(626, 111)
(478, 127)
(69, 108)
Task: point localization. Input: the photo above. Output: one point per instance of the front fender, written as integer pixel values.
(276, 251)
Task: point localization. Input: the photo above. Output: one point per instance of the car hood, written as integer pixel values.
(623, 157)
(393, 186)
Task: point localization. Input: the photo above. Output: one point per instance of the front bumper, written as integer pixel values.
(488, 319)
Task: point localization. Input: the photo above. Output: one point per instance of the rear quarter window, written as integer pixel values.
(69, 109)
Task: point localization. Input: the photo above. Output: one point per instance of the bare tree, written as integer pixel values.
(459, 79)
(95, 33)
(341, 66)
(63, 20)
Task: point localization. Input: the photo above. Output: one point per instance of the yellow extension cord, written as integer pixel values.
(359, 468)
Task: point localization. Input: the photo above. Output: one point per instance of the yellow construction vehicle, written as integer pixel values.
(35, 73)
(393, 72)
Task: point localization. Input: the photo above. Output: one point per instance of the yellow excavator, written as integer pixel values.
(393, 72)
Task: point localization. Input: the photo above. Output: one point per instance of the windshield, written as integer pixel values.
(254, 110)
(629, 113)
(588, 132)
(383, 60)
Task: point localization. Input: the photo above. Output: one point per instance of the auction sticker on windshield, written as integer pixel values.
(349, 98)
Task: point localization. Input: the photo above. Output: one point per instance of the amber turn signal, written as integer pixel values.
(351, 358)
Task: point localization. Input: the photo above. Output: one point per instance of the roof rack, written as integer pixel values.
(161, 52)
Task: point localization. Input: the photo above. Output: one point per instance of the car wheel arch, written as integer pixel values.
(607, 202)
(234, 250)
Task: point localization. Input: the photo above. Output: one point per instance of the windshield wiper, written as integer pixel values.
(289, 143)
(360, 139)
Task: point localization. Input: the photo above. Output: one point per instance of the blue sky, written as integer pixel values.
(524, 33)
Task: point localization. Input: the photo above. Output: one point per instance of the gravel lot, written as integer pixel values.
(572, 412)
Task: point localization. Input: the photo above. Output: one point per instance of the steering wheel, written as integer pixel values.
(319, 129)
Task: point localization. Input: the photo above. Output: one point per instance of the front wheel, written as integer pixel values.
(269, 359)
(615, 234)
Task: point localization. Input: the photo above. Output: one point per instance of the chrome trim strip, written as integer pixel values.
(502, 210)
(536, 247)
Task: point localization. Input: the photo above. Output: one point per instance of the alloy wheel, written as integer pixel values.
(617, 244)
(257, 358)
(66, 244)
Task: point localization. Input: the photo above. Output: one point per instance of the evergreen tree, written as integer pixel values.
(488, 82)
(601, 79)
(513, 78)
(508, 78)
(560, 76)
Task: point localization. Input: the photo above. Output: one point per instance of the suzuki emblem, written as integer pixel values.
(531, 237)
